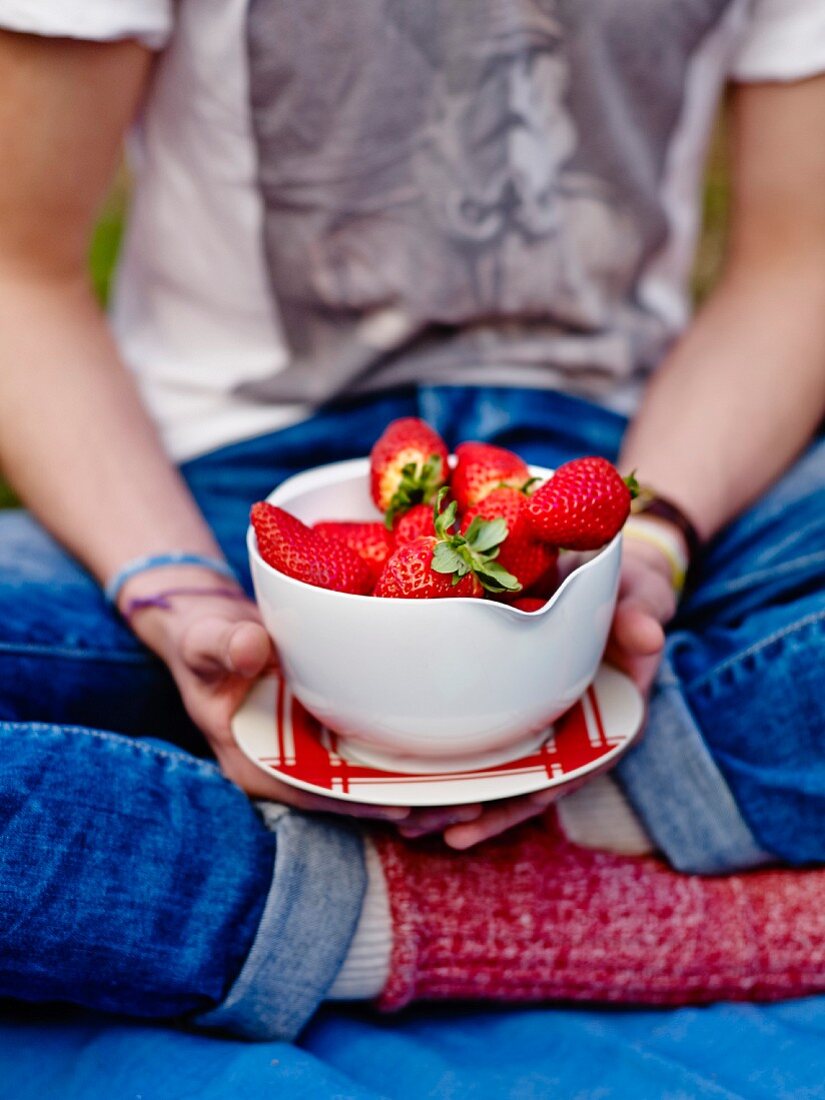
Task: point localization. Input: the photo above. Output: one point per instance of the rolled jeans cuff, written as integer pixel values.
(308, 922)
(677, 790)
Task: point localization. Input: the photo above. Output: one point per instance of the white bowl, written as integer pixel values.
(417, 685)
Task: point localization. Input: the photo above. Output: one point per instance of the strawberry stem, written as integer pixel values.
(418, 484)
(473, 552)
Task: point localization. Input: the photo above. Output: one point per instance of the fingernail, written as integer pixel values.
(457, 843)
(397, 813)
(471, 813)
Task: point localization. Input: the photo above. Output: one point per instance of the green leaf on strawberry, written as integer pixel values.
(473, 552)
(446, 559)
(418, 485)
(488, 534)
(495, 578)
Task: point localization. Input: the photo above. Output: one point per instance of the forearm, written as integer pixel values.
(739, 396)
(75, 441)
(743, 391)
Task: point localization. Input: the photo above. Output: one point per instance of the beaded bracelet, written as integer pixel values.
(158, 561)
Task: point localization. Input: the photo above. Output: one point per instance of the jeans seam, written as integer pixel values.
(41, 728)
(730, 662)
(748, 579)
(121, 656)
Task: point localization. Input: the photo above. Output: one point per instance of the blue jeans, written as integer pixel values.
(134, 878)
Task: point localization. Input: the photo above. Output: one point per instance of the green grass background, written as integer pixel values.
(108, 232)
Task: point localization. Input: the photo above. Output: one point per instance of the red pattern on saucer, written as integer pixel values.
(279, 735)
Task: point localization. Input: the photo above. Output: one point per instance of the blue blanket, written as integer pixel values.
(450, 1053)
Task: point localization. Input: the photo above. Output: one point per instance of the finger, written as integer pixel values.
(205, 645)
(435, 820)
(641, 669)
(251, 779)
(636, 629)
(319, 804)
(213, 644)
(649, 589)
(316, 803)
(493, 822)
(249, 650)
(312, 803)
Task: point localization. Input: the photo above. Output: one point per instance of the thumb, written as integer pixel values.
(217, 646)
(249, 650)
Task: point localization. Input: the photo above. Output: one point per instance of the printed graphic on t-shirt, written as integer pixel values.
(449, 183)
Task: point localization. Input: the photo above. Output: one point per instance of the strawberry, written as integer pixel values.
(521, 553)
(408, 465)
(409, 575)
(583, 505)
(414, 524)
(481, 468)
(296, 550)
(372, 542)
(528, 603)
(547, 583)
(448, 564)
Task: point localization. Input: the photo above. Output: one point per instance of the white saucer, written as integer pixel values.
(274, 730)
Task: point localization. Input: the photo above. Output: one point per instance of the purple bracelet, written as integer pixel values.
(162, 599)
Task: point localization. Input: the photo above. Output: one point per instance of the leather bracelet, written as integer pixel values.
(650, 503)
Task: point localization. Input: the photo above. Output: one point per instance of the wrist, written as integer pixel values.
(652, 505)
(167, 577)
(172, 595)
(664, 525)
(661, 545)
(155, 563)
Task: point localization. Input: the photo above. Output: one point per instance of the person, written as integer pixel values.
(342, 215)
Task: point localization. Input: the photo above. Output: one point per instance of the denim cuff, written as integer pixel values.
(681, 796)
(308, 922)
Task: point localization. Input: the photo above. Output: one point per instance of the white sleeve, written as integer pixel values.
(784, 40)
(150, 21)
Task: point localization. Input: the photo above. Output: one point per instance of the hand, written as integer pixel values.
(215, 649)
(645, 605)
(479, 823)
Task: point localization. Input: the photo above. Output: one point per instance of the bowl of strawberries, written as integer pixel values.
(438, 611)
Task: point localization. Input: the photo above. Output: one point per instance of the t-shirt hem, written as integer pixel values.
(785, 43)
(149, 21)
(187, 443)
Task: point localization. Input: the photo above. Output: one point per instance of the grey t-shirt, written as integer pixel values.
(344, 196)
(482, 176)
